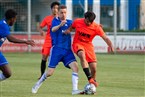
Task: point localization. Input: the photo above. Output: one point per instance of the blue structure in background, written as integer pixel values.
(133, 10)
(133, 14)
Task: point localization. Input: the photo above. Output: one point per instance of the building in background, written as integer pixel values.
(130, 13)
(142, 14)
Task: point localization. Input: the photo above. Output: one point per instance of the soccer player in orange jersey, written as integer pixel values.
(86, 30)
(47, 42)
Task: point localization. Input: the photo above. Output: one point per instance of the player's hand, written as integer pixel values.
(30, 42)
(67, 31)
(62, 23)
(112, 50)
(42, 33)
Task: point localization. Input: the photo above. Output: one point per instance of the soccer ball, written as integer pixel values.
(90, 89)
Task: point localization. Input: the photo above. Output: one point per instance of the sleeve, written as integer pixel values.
(100, 31)
(70, 23)
(43, 23)
(54, 23)
(74, 24)
(6, 32)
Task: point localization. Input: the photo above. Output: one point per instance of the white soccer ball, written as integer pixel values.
(90, 89)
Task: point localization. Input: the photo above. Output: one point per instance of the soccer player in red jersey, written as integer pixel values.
(47, 42)
(86, 30)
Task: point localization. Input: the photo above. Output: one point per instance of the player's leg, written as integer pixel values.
(38, 84)
(54, 59)
(45, 54)
(80, 51)
(43, 64)
(74, 67)
(84, 63)
(93, 67)
(6, 72)
(70, 62)
(4, 67)
(91, 59)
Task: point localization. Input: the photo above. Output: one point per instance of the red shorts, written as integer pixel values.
(46, 51)
(88, 49)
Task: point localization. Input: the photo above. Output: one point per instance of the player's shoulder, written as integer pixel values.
(4, 25)
(56, 19)
(97, 25)
(49, 17)
(78, 19)
(69, 21)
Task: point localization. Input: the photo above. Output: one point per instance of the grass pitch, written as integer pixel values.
(118, 76)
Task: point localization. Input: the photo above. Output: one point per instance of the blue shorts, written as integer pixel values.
(58, 54)
(3, 60)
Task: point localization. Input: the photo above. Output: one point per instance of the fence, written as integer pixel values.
(129, 14)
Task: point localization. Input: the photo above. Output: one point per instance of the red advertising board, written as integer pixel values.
(13, 47)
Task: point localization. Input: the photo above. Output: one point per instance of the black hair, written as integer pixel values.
(54, 3)
(90, 16)
(10, 13)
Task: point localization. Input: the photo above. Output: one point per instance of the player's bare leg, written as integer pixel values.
(85, 66)
(74, 67)
(43, 63)
(93, 67)
(6, 72)
(38, 84)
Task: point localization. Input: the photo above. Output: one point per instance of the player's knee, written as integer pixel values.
(74, 67)
(94, 71)
(7, 75)
(44, 57)
(50, 72)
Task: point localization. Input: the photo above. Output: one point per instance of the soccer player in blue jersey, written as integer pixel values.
(5, 24)
(61, 50)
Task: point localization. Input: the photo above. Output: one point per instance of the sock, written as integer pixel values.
(2, 77)
(43, 67)
(75, 81)
(87, 72)
(42, 79)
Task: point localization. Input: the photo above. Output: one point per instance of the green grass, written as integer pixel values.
(118, 76)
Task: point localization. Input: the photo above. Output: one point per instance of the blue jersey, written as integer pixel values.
(60, 39)
(4, 31)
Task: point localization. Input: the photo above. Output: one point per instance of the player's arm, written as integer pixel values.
(15, 40)
(108, 41)
(55, 28)
(40, 29)
(41, 26)
(69, 30)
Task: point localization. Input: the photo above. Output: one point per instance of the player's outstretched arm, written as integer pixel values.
(68, 30)
(15, 40)
(109, 43)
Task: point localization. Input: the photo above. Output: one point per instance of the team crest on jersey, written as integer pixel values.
(66, 25)
(63, 31)
(2, 39)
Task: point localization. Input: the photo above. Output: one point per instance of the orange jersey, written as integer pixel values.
(47, 22)
(84, 34)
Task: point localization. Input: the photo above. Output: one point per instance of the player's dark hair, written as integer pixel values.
(54, 3)
(90, 16)
(62, 7)
(10, 13)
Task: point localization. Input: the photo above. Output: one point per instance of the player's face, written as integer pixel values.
(12, 21)
(87, 22)
(54, 10)
(62, 13)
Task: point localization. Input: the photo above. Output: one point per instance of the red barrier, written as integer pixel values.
(13, 47)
